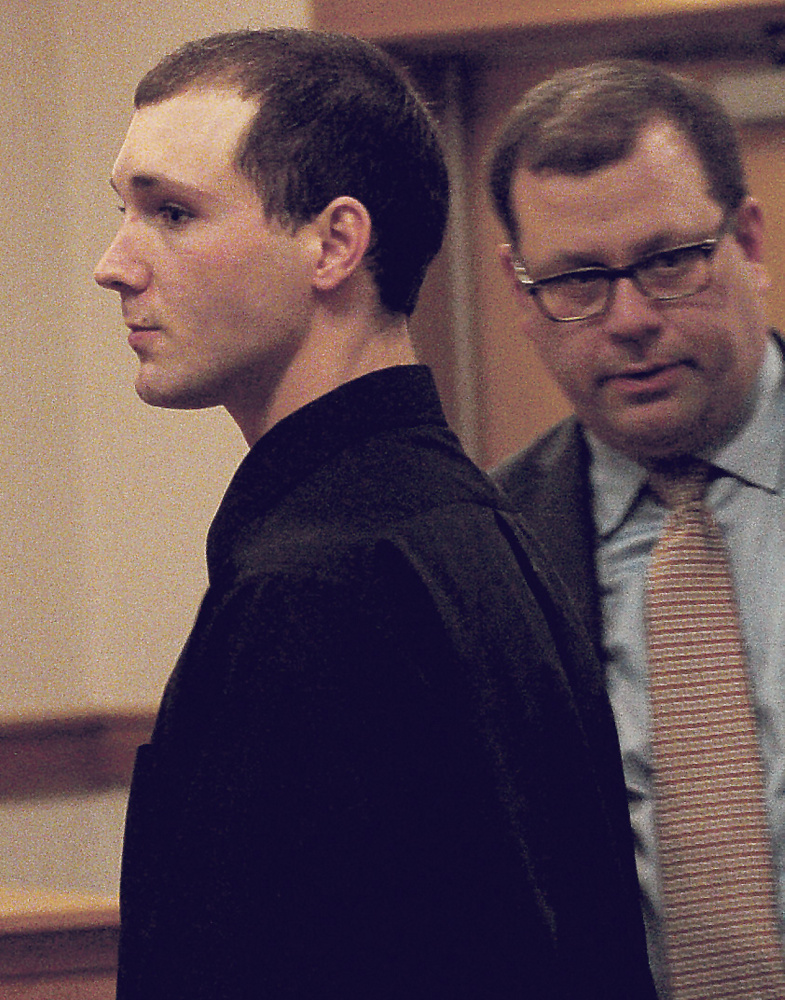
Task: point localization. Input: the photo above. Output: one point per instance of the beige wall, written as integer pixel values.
(104, 502)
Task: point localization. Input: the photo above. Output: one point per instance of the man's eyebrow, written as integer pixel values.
(568, 261)
(140, 182)
(149, 182)
(565, 262)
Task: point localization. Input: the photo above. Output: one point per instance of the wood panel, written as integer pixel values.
(66, 756)
(468, 22)
(56, 946)
(764, 158)
(517, 398)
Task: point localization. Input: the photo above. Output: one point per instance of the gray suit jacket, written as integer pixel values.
(549, 484)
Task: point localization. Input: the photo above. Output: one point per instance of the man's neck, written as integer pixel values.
(331, 355)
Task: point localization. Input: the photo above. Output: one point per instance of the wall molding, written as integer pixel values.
(463, 24)
(57, 945)
(68, 755)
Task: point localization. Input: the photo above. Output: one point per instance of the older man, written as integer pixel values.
(635, 255)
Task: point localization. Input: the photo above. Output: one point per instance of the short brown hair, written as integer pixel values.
(582, 119)
(335, 117)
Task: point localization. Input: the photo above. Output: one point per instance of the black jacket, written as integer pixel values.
(384, 766)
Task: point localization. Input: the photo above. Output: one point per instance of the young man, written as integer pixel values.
(636, 257)
(383, 766)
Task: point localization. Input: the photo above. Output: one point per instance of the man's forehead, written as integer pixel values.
(200, 127)
(658, 192)
(661, 153)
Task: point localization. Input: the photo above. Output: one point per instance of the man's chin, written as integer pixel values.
(653, 439)
(172, 397)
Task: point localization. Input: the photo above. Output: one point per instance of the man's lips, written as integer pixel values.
(140, 334)
(652, 378)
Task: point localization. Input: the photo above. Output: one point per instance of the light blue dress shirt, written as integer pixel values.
(748, 502)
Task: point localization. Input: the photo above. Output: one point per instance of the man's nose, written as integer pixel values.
(632, 315)
(121, 268)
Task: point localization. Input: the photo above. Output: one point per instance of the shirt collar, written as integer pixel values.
(616, 482)
(396, 397)
(754, 454)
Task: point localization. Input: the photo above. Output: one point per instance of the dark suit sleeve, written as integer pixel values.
(548, 484)
(326, 822)
(374, 779)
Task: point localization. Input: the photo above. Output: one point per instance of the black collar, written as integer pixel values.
(397, 397)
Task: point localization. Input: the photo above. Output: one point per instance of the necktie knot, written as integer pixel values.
(680, 484)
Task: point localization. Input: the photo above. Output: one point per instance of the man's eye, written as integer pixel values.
(174, 215)
(576, 281)
(674, 260)
(580, 279)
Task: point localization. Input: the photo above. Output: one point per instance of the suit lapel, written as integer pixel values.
(549, 484)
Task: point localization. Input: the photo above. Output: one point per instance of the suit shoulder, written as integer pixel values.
(557, 451)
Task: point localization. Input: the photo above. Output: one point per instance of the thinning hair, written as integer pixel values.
(335, 117)
(589, 117)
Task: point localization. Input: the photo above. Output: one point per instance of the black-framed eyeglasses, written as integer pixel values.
(675, 273)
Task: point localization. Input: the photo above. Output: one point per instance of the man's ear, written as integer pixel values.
(506, 259)
(344, 231)
(748, 232)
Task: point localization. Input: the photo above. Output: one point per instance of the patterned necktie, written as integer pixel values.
(721, 929)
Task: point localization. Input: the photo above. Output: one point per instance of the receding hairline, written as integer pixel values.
(207, 83)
